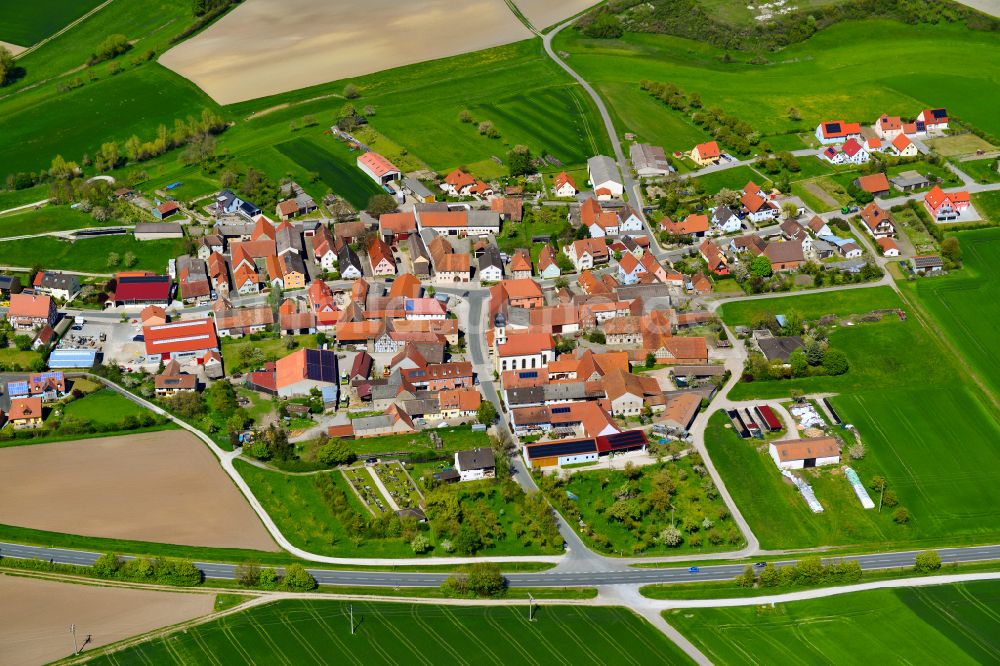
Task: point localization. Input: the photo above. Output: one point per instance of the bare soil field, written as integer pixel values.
(265, 47)
(165, 487)
(13, 48)
(545, 13)
(35, 616)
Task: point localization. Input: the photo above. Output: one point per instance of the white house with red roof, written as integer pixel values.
(932, 120)
(378, 168)
(564, 186)
(523, 351)
(756, 205)
(854, 152)
(944, 206)
(837, 131)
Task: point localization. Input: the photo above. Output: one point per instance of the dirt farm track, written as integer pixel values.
(160, 486)
(36, 614)
(265, 47)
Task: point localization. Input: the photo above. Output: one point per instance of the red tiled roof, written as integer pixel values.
(379, 165)
(180, 336)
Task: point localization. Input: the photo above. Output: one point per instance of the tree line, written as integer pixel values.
(723, 127)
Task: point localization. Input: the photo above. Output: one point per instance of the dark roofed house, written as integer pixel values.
(142, 289)
(63, 286)
(361, 368)
(476, 464)
(929, 263)
(9, 284)
(780, 348)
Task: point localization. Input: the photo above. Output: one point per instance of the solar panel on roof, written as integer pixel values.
(938, 113)
(833, 128)
(561, 410)
(528, 375)
(566, 448)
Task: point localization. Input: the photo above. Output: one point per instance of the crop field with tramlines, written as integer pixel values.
(319, 632)
(950, 624)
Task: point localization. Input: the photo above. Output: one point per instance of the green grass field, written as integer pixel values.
(947, 624)
(78, 122)
(956, 302)
(336, 166)
(90, 255)
(984, 171)
(47, 218)
(103, 406)
(811, 306)
(827, 76)
(988, 205)
(649, 119)
(24, 24)
(272, 348)
(911, 431)
(734, 179)
(299, 632)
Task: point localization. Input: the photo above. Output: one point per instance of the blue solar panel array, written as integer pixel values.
(321, 365)
(16, 389)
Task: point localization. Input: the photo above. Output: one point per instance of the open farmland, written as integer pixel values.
(297, 632)
(336, 166)
(956, 301)
(828, 75)
(910, 431)
(810, 306)
(947, 624)
(164, 487)
(36, 615)
(263, 48)
(27, 23)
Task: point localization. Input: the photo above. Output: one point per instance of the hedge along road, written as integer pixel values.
(559, 577)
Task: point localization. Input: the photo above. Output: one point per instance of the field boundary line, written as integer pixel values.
(43, 42)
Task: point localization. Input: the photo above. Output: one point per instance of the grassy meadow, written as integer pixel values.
(90, 255)
(946, 624)
(25, 24)
(45, 219)
(300, 631)
(810, 306)
(828, 76)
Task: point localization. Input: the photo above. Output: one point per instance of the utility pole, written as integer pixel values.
(881, 495)
(352, 619)
(76, 648)
(531, 604)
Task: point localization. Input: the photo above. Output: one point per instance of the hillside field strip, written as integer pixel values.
(36, 615)
(336, 166)
(164, 487)
(44, 220)
(957, 303)
(911, 432)
(90, 255)
(25, 24)
(827, 76)
(946, 624)
(305, 631)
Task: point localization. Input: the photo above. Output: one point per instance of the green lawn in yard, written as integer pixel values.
(103, 406)
(24, 24)
(452, 439)
(90, 255)
(233, 350)
(781, 142)
(12, 357)
(825, 77)
(946, 624)
(300, 631)
(988, 205)
(336, 165)
(983, 171)
(734, 179)
(811, 306)
(946, 176)
(47, 218)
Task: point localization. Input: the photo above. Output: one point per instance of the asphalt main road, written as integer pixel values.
(559, 577)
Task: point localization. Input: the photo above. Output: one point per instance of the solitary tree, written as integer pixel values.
(351, 91)
(927, 562)
(761, 267)
(487, 413)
